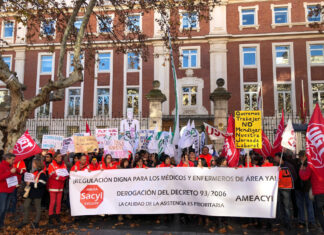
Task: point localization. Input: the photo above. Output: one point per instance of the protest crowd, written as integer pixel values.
(43, 183)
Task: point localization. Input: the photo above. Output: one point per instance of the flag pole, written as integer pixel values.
(174, 73)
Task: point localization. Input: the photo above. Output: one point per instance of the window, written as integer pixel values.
(104, 62)
(251, 97)
(248, 17)
(134, 23)
(189, 96)
(249, 56)
(318, 94)
(282, 55)
(46, 63)
(4, 94)
(133, 61)
(8, 29)
(317, 54)
(74, 100)
(189, 58)
(190, 20)
(313, 15)
(48, 28)
(77, 24)
(71, 67)
(102, 101)
(7, 60)
(105, 24)
(281, 15)
(71, 130)
(133, 99)
(40, 131)
(284, 97)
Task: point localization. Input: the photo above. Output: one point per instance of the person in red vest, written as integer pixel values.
(81, 165)
(56, 185)
(166, 162)
(94, 165)
(8, 182)
(139, 164)
(267, 162)
(21, 169)
(205, 155)
(35, 194)
(108, 163)
(185, 161)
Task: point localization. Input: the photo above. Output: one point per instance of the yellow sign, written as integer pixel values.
(248, 129)
(85, 144)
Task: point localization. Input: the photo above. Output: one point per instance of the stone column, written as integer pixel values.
(220, 97)
(155, 98)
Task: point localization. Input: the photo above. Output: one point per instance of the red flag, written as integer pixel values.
(315, 142)
(88, 128)
(266, 147)
(25, 147)
(303, 111)
(277, 142)
(229, 151)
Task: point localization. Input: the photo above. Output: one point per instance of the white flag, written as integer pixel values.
(186, 140)
(153, 144)
(169, 148)
(289, 137)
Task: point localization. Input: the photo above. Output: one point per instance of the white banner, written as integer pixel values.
(243, 192)
(52, 142)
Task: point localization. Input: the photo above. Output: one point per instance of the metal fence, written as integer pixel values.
(39, 126)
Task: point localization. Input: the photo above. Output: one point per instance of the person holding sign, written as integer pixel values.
(8, 183)
(81, 165)
(57, 175)
(94, 165)
(21, 169)
(205, 155)
(108, 163)
(166, 162)
(35, 192)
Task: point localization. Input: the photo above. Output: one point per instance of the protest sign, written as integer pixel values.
(116, 148)
(248, 129)
(52, 142)
(84, 144)
(212, 192)
(68, 146)
(12, 181)
(62, 172)
(144, 138)
(81, 134)
(104, 135)
(29, 177)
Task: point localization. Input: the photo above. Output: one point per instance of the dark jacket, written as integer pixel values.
(37, 189)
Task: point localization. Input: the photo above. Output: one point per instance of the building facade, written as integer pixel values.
(268, 43)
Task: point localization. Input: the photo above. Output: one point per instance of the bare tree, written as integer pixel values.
(32, 12)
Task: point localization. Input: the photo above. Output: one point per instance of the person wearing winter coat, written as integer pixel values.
(8, 178)
(34, 192)
(56, 183)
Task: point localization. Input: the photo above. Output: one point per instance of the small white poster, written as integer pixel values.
(29, 177)
(62, 172)
(12, 181)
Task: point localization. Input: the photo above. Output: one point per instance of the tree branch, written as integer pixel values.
(44, 95)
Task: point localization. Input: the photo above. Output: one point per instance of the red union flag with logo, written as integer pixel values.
(315, 140)
(25, 147)
(266, 147)
(231, 153)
